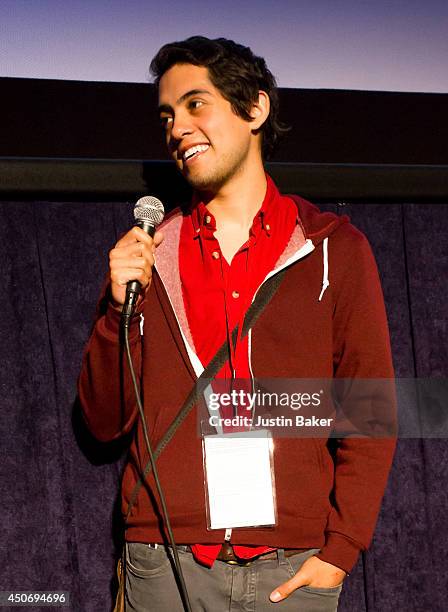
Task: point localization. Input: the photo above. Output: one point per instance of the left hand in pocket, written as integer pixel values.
(314, 573)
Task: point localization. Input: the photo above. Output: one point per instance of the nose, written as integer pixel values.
(181, 126)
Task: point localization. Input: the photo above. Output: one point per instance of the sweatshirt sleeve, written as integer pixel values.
(105, 387)
(361, 351)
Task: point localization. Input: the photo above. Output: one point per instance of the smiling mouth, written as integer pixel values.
(194, 152)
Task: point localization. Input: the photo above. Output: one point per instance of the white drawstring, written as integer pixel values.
(325, 281)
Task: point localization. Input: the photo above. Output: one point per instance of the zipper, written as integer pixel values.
(307, 248)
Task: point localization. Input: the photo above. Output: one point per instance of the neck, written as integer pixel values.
(239, 200)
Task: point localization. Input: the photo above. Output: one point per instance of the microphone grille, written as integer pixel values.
(150, 209)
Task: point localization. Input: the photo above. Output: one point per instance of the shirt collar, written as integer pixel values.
(264, 221)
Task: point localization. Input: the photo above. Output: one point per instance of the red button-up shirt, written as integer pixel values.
(217, 294)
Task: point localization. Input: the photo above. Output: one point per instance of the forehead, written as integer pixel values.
(181, 78)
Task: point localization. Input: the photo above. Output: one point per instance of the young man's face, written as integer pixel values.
(208, 141)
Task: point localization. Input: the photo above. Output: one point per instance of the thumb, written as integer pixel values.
(285, 589)
(158, 238)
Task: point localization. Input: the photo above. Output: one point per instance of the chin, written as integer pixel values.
(211, 182)
(205, 183)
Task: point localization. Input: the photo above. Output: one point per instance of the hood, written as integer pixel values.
(317, 225)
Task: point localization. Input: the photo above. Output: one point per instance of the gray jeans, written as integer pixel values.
(151, 586)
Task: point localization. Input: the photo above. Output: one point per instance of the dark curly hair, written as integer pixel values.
(235, 71)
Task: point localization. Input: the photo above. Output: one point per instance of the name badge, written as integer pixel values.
(239, 480)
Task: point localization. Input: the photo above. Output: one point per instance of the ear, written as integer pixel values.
(260, 110)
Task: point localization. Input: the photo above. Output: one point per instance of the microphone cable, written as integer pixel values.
(182, 585)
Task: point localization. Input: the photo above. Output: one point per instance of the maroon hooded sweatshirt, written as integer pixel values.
(326, 320)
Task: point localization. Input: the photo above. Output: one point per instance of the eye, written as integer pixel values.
(194, 104)
(165, 121)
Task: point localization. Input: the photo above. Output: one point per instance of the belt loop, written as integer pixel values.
(180, 547)
(281, 556)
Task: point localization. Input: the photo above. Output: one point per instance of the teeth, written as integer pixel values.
(193, 150)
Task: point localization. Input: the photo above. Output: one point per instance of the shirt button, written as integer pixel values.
(215, 254)
(235, 294)
(208, 219)
(268, 227)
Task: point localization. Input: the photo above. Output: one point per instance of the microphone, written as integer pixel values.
(148, 214)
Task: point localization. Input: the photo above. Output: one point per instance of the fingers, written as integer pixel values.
(135, 234)
(132, 258)
(122, 275)
(136, 250)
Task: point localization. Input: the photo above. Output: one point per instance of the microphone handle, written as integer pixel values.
(133, 287)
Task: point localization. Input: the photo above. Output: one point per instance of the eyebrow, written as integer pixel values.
(193, 92)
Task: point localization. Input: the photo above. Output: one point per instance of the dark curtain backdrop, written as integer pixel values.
(60, 526)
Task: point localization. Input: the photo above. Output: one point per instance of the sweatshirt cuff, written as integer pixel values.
(112, 321)
(340, 551)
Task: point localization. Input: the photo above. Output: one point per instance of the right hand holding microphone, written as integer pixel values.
(132, 258)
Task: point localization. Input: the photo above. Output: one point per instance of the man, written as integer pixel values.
(219, 110)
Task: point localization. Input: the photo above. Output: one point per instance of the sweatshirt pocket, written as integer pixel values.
(303, 478)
